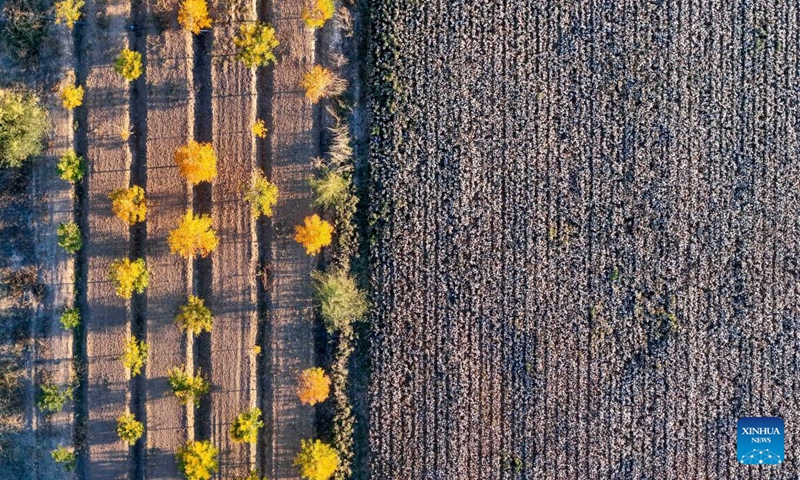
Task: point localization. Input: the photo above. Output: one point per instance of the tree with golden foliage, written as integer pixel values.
(194, 236)
(255, 44)
(68, 12)
(316, 460)
(316, 12)
(128, 276)
(198, 460)
(262, 195)
(313, 386)
(128, 64)
(193, 15)
(245, 428)
(259, 129)
(134, 357)
(197, 162)
(72, 96)
(314, 234)
(321, 83)
(129, 204)
(195, 316)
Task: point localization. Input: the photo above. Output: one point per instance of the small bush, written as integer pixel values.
(193, 15)
(321, 83)
(313, 386)
(23, 125)
(129, 64)
(259, 129)
(194, 316)
(332, 189)
(255, 44)
(69, 237)
(314, 234)
(70, 319)
(129, 429)
(71, 166)
(197, 162)
(129, 204)
(129, 276)
(198, 460)
(245, 428)
(194, 236)
(51, 398)
(316, 460)
(135, 355)
(72, 96)
(187, 387)
(68, 12)
(317, 12)
(341, 301)
(262, 195)
(64, 457)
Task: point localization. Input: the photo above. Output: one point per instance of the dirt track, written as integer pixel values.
(106, 316)
(587, 259)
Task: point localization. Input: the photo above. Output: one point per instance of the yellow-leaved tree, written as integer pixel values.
(255, 44)
(197, 162)
(262, 195)
(321, 83)
(313, 386)
(68, 12)
(128, 276)
(198, 460)
(316, 460)
(316, 12)
(72, 96)
(129, 204)
(314, 234)
(194, 236)
(129, 64)
(193, 15)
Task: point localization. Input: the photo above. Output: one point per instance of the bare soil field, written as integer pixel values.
(585, 248)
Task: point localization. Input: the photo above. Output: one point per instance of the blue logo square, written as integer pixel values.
(759, 440)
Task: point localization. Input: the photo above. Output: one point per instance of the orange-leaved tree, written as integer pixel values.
(128, 276)
(314, 234)
(129, 204)
(313, 386)
(197, 162)
(193, 15)
(321, 83)
(316, 460)
(194, 236)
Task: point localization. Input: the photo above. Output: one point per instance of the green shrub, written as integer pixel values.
(129, 429)
(63, 456)
(255, 44)
(194, 316)
(23, 125)
(331, 190)
(341, 301)
(70, 319)
(245, 427)
(128, 64)
(69, 237)
(24, 28)
(187, 387)
(71, 166)
(198, 460)
(52, 398)
(262, 195)
(135, 355)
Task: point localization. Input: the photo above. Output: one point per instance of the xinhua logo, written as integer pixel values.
(759, 440)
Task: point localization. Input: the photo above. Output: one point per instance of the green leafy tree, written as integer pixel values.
(128, 64)
(129, 429)
(52, 398)
(198, 460)
(341, 301)
(70, 319)
(64, 457)
(255, 44)
(23, 125)
(194, 316)
(187, 387)
(262, 195)
(71, 166)
(332, 189)
(135, 355)
(245, 428)
(69, 237)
